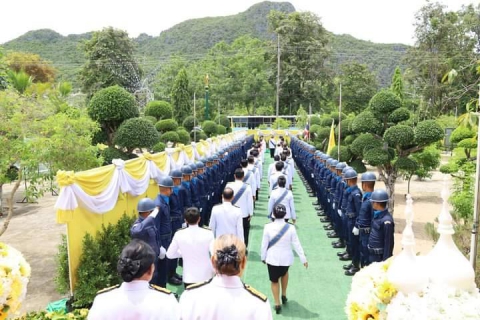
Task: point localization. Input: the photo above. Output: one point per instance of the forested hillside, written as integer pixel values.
(193, 38)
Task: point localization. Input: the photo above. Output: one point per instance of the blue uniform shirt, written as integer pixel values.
(354, 201)
(145, 230)
(364, 219)
(162, 220)
(381, 233)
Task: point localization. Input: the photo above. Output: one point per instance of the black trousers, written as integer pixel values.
(272, 153)
(246, 230)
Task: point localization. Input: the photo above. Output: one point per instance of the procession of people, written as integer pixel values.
(201, 220)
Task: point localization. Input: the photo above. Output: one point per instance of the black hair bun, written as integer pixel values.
(128, 268)
(227, 256)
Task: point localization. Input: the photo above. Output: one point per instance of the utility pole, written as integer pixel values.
(308, 120)
(278, 74)
(476, 209)
(339, 121)
(194, 117)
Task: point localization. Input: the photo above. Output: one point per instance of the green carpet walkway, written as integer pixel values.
(318, 292)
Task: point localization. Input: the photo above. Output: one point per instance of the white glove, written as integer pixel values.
(339, 212)
(162, 254)
(154, 212)
(312, 175)
(201, 209)
(355, 231)
(328, 200)
(333, 205)
(184, 225)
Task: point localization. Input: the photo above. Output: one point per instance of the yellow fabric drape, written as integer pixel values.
(331, 139)
(94, 181)
(137, 168)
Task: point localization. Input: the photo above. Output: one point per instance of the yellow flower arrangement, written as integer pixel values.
(371, 292)
(14, 276)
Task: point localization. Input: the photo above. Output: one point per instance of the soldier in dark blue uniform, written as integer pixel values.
(380, 242)
(342, 212)
(195, 187)
(144, 229)
(364, 220)
(202, 187)
(186, 176)
(354, 203)
(340, 188)
(164, 226)
(177, 206)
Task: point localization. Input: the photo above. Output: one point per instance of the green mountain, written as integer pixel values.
(193, 38)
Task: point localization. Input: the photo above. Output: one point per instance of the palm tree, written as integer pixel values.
(20, 80)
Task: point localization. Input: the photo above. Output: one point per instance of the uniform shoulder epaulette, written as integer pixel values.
(160, 289)
(236, 206)
(108, 289)
(256, 293)
(183, 228)
(198, 285)
(387, 222)
(290, 223)
(206, 228)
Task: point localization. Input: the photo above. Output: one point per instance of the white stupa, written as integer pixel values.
(407, 271)
(447, 266)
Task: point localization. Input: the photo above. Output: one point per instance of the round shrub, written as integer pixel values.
(358, 165)
(428, 131)
(326, 122)
(448, 168)
(99, 137)
(222, 120)
(406, 164)
(349, 139)
(344, 127)
(112, 104)
(221, 129)
(153, 120)
(345, 154)
(136, 133)
(334, 115)
(399, 115)
(366, 122)
(399, 135)
(209, 127)
(469, 143)
(323, 133)
(166, 125)
(111, 153)
(189, 123)
(159, 110)
(315, 120)
(171, 136)
(197, 135)
(363, 142)
(183, 136)
(376, 156)
(314, 128)
(159, 147)
(384, 103)
(461, 133)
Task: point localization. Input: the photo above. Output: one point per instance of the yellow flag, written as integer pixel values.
(331, 140)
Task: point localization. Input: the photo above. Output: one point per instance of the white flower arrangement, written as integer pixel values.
(435, 303)
(14, 277)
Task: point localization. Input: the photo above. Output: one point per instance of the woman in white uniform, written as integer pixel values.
(225, 296)
(278, 239)
(135, 298)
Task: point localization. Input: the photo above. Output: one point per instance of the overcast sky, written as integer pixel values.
(385, 21)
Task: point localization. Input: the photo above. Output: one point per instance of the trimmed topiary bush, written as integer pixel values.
(209, 127)
(222, 120)
(221, 129)
(384, 103)
(315, 120)
(345, 154)
(159, 109)
(183, 136)
(358, 166)
(198, 135)
(461, 133)
(399, 135)
(323, 133)
(170, 136)
(112, 104)
(406, 164)
(188, 123)
(366, 122)
(428, 131)
(399, 115)
(159, 147)
(363, 142)
(326, 122)
(111, 153)
(166, 125)
(136, 133)
(152, 120)
(376, 156)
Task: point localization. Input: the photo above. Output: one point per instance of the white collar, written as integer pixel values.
(135, 285)
(279, 221)
(227, 281)
(228, 203)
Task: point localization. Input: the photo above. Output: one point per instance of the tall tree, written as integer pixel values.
(359, 85)
(110, 61)
(397, 83)
(181, 97)
(165, 78)
(32, 64)
(3, 70)
(303, 46)
(445, 40)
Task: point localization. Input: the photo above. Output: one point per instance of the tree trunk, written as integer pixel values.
(390, 185)
(10, 202)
